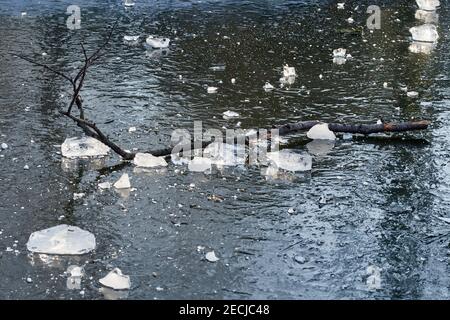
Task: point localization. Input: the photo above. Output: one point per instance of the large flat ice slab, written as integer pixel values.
(83, 147)
(62, 239)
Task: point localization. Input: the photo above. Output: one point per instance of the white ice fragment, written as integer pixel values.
(104, 185)
(379, 121)
(129, 3)
(132, 129)
(291, 210)
(23, 14)
(44, 54)
(230, 114)
(424, 33)
(211, 89)
(147, 160)
(340, 5)
(350, 20)
(321, 132)
(199, 164)
(131, 38)
(233, 80)
(339, 53)
(157, 42)
(290, 161)
(289, 71)
(62, 239)
(123, 182)
(26, 167)
(211, 256)
(428, 5)
(224, 154)
(422, 47)
(83, 147)
(427, 16)
(77, 196)
(412, 94)
(75, 273)
(116, 280)
(374, 280)
(268, 87)
(4, 146)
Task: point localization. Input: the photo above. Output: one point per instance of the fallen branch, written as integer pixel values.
(91, 129)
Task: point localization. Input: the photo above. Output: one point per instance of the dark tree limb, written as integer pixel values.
(91, 129)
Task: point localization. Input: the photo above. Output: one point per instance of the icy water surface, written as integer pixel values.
(368, 202)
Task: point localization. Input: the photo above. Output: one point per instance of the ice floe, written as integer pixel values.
(424, 33)
(123, 182)
(62, 240)
(83, 147)
(321, 132)
(116, 280)
(157, 42)
(290, 160)
(147, 160)
(211, 256)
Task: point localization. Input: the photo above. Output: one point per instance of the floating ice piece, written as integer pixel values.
(123, 182)
(422, 47)
(341, 5)
(4, 146)
(233, 80)
(424, 33)
(268, 87)
(374, 280)
(132, 129)
(62, 239)
(321, 132)
(339, 60)
(211, 256)
(224, 154)
(23, 14)
(412, 94)
(157, 42)
(427, 16)
(75, 273)
(83, 147)
(339, 53)
(200, 164)
(428, 5)
(129, 3)
(290, 161)
(289, 71)
(212, 89)
(131, 38)
(148, 160)
(320, 147)
(104, 185)
(350, 20)
(111, 294)
(230, 114)
(116, 280)
(77, 196)
(26, 167)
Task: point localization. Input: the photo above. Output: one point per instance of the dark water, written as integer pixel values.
(383, 194)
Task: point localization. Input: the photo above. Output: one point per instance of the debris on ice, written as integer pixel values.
(62, 240)
(116, 280)
(321, 132)
(83, 147)
(148, 160)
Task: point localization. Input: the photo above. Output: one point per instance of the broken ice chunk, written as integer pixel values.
(62, 239)
(116, 280)
(75, 273)
(268, 87)
(4, 146)
(157, 42)
(424, 33)
(321, 132)
(427, 16)
(104, 185)
(428, 5)
(199, 164)
(211, 256)
(339, 53)
(422, 47)
(230, 114)
(83, 147)
(129, 3)
(211, 89)
(123, 182)
(289, 71)
(224, 154)
(374, 280)
(412, 94)
(148, 160)
(77, 196)
(131, 38)
(290, 160)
